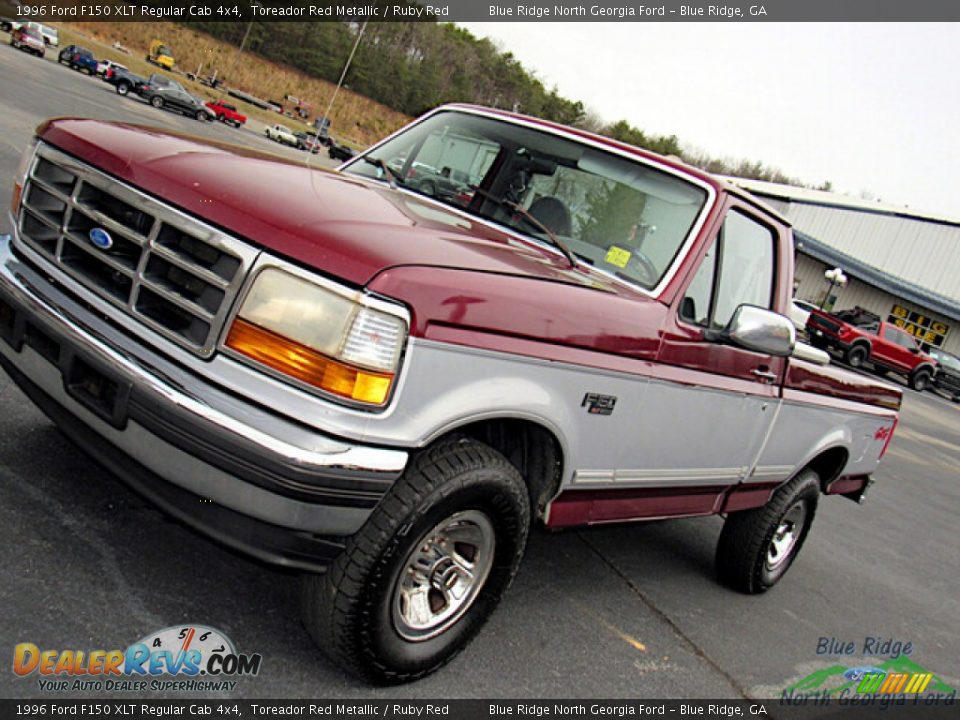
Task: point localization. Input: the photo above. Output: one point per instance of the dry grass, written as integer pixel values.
(356, 119)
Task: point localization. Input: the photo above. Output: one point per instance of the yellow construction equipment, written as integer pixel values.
(160, 55)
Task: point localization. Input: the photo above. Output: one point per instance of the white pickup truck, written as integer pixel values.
(281, 134)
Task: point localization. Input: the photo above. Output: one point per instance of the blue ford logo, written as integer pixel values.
(101, 238)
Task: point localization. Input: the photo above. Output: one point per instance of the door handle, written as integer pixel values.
(764, 374)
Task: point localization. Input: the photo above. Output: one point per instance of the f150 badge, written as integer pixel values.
(599, 404)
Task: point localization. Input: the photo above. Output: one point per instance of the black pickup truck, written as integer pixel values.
(125, 81)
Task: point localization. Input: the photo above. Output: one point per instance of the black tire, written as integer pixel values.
(156, 101)
(428, 188)
(920, 380)
(857, 356)
(355, 612)
(200, 115)
(747, 559)
(123, 89)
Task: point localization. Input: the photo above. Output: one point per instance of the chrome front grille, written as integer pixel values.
(173, 273)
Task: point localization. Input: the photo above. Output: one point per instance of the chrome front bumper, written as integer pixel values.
(230, 461)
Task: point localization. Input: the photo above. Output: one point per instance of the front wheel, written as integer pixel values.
(421, 577)
(856, 356)
(920, 380)
(757, 547)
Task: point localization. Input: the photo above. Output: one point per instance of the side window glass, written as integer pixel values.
(738, 269)
(890, 334)
(695, 306)
(906, 341)
(746, 267)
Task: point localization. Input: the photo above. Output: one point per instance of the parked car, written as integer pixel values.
(346, 377)
(339, 151)
(282, 134)
(171, 95)
(227, 113)
(799, 312)
(104, 66)
(50, 35)
(947, 377)
(308, 142)
(29, 39)
(78, 58)
(7, 23)
(861, 337)
(443, 182)
(123, 80)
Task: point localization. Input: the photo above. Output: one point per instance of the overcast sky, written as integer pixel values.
(873, 108)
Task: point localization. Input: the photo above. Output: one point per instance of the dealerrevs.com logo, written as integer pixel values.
(187, 658)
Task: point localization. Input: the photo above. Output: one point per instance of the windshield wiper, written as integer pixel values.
(525, 214)
(394, 176)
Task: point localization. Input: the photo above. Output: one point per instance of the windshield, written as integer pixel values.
(618, 214)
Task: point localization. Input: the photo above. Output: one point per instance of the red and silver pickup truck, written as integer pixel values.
(860, 336)
(337, 373)
(227, 113)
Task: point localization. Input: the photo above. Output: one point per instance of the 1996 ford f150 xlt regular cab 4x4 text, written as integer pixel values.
(386, 389)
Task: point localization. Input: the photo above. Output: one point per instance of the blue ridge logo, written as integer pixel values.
(100, 238)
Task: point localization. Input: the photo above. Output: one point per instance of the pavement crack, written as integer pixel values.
(677, 630)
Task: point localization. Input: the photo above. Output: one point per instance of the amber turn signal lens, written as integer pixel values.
(307, 365)
(15, 200)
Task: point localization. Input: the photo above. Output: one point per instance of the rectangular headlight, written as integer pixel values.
(319, 337)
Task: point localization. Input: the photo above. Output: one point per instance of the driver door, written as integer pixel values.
(726, 397)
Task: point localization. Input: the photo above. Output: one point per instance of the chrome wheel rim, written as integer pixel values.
(443, 575)
(786, 536)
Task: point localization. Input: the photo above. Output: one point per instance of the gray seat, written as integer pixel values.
(553, 213)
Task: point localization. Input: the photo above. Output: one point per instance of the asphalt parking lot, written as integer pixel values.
(614, 612)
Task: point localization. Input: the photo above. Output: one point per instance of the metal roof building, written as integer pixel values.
(904, 265)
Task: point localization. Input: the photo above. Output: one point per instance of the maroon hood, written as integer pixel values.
(345, 227)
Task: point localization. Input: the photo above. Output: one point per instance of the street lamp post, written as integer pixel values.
(836, 277)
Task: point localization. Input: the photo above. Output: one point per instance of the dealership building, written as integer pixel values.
(900, 264)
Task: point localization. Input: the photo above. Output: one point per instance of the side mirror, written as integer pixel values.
(761, 330)
(915, 350)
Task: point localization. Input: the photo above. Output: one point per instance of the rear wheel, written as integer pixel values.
(123, 88)
(920, 380)
(757, 547)
(156, 101)
(857, 356)
(418, 581)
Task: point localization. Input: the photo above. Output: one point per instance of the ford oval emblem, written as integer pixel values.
(101, 238)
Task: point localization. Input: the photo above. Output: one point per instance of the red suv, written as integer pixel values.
(861, 337)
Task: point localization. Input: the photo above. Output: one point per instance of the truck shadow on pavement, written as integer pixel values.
(138, 570)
